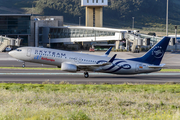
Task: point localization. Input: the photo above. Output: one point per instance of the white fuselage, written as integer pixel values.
(57, 57)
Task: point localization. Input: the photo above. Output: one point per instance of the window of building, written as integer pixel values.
(96, 1)
(15, 24)
(102, 1)
(87, 1)
(93, 1)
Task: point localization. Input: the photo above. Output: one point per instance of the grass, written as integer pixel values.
(85, 101)
(170, 70)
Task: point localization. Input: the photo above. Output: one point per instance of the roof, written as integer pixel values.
(92, 28)
(15, 14)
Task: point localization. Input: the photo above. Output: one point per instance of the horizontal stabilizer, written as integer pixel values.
(157, 66)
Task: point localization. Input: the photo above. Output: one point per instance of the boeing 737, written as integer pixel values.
(73, 61)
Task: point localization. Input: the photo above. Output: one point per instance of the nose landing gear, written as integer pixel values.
(86, 75)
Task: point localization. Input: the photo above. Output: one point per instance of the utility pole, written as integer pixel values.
(167, 18)
(132, 23)
(176, 38)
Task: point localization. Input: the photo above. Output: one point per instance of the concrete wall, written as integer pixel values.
(89, 16)
(45, 32)
(98, 16)
(42, 21)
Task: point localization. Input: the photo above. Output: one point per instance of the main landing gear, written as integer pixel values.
(23, 64)
(86, 75)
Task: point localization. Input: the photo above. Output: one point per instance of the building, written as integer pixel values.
(94, 12)
(16, 26)
(37, 22)
(68, 35)
(49, 31)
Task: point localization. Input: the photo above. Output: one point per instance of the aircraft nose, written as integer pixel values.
(10, 53)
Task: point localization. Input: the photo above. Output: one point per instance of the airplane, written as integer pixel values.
(73, 61)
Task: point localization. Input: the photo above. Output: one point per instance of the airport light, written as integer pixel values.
(167, 18)
(132, 23)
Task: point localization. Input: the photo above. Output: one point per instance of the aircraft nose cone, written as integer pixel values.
(10, 53)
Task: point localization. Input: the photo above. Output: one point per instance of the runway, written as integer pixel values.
(15, 63)
(56, 76)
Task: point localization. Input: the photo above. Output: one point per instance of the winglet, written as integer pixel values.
(112, 59)
(107, 52)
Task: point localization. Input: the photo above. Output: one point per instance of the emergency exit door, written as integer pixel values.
(29, 52)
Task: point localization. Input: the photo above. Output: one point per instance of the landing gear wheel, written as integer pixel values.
(23, 65)
(86, 75)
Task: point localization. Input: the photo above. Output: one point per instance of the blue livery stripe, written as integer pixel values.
(114, 65)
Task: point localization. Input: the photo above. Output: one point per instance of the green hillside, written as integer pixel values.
(119, 13)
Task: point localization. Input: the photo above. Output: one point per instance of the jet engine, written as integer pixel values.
(68, 67)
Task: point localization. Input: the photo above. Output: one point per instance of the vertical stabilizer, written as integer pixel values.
(156, 53)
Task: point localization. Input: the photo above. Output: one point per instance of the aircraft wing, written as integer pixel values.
(96, 65)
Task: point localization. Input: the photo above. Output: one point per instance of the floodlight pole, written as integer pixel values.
(175, 37)
(132, 23)
(167, 18)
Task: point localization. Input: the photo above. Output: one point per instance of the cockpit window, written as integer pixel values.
(18, 50)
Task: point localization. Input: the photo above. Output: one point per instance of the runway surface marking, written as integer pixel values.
(82, 74)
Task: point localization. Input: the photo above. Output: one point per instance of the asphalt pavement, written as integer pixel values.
(57, 76)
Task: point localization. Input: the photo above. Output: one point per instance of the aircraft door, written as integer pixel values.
(29, 52)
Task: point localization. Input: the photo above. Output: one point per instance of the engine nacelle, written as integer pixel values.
(68, 67)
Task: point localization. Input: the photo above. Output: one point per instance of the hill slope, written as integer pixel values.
(119, 13)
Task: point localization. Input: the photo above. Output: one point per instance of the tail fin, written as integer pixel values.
(156, 53)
